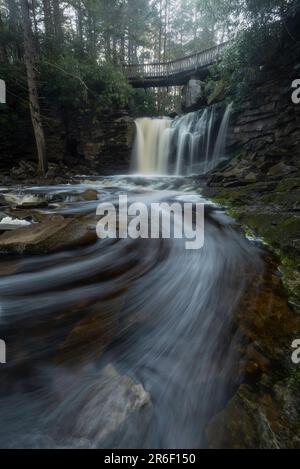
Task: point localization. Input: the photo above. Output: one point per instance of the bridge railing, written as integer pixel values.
(167, 69)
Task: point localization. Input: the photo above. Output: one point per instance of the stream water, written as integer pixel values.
(121, 343)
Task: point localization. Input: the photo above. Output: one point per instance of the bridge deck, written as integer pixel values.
(173, 73)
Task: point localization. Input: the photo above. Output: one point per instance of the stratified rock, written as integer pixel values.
(251, 177)
(52, 234)
(281, 169)
(92, 151)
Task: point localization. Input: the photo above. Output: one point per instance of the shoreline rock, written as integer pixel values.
(53, 234)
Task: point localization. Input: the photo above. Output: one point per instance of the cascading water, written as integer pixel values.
(152, 145)
(191, 144)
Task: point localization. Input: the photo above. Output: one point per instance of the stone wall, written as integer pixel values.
(265, 134)
(103, 145)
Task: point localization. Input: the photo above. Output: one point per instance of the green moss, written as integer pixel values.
(294, 381)
(285, 199)
(217, 93)
(288, 184)
(278, 230)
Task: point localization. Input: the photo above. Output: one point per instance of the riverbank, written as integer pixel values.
(264, 412)
(253, 368)
(269, 210)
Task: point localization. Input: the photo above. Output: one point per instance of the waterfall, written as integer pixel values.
(219, 149)
(190, 144)
(151, 148)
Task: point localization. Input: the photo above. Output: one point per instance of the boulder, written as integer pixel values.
(53, 234)
(103, 407)
(89, 195)
(193, 93)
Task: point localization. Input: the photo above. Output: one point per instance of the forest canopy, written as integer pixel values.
(70, 53)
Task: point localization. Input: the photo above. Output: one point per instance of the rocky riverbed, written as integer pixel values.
(100, 337)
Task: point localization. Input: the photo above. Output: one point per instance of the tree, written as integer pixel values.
(29, 58)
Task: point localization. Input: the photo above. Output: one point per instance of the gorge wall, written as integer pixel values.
(261, 180)
(260, 187)
(75, 143)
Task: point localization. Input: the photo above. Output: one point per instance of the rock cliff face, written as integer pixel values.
(261, 181)
(260, 186)
(193, 95)
(108, 146)
(74, 140)
(265, 135)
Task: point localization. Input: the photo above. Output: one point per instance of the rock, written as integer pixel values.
(129, 129)
(51, 235)
(251, 177)
(281, 169)
(24, 169)
(244, 424)
(26, 201)
(103, 406)
(3, 202)
(89, 195)
(92, 334)
(217, 94)
(234, 183)
(7, 227)
(193, 93)
(92, 151)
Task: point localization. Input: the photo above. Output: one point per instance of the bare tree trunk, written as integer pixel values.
(29, 57)
(3, 52)
(57, 22)
(160, 30)
(123, 32)
(80, 25)
(48, 19)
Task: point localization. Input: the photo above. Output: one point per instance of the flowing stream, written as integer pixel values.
(124, 343)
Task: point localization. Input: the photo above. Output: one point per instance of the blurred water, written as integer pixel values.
(168, 366)
(191, 144)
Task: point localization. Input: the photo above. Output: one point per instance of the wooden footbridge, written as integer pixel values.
(174, 73)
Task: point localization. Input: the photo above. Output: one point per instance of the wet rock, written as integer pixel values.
(52, 234)
(243, 424)
(103, 408)
(3, 202)
(233, 183)
(26, 201)
(89, 195)
(251, 177)
(23, 169)
(281, 169)
(92, 334)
